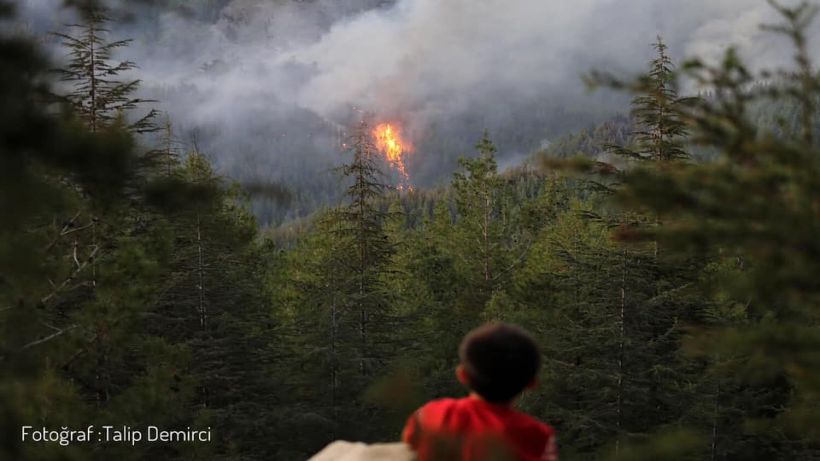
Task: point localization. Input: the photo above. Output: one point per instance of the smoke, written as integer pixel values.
(267, 87)
(435, 58)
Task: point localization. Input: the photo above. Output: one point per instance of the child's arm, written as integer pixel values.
(411, 430)
(550, 449)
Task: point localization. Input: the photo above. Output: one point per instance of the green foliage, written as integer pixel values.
(661, 130)
(676, 305)
(90, 269)
(480, 223)
(94, 94)
(752, 209)
(594, 141)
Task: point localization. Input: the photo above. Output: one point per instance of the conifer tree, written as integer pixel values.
(213, 306)
(323, 336)
(750, 208)
(660, 132)
(51, 166)
(98, 237)
(662, 298)
(478, 196)
(91, 73)
(168, 153)
(362, 222)
(341, 322)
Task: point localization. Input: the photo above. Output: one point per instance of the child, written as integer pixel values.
(498, 362)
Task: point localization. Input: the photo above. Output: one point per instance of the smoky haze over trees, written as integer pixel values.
(665, 259)
(266, 86)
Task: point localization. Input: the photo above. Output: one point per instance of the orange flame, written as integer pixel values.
(389, 142)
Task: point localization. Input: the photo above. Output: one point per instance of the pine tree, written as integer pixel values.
(168, 153)
(656, 297)
(362, 222)
(479, 227)
(323, 338)
(53, 166)
(752, 206)
(423, 277)
(100, 234)
(95, 93)
(341, 318)
(213, 306)
(660, 132)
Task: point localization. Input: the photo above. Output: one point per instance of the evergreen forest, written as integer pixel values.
(666, 259)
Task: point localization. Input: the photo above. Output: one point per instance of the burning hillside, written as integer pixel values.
(389, 142)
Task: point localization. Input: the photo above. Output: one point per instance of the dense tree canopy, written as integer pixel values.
(675, 298)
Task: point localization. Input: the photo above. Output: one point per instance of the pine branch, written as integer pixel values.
(45, 339)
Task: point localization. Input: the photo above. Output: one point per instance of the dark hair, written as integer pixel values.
(500, 361)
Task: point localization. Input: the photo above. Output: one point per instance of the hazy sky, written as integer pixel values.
(261, 71)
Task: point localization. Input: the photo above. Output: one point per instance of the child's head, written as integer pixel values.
(498, 361)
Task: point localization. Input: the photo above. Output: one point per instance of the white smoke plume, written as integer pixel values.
(265, 84)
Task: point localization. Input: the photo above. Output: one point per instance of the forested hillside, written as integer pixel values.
(230, 73)
(666, 262)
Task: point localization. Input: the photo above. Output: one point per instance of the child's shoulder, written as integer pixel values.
(535, 423)
(438, 406)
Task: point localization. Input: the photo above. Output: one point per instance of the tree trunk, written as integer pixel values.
(94, 252)
(621, 340)
(334, 377)
(92, 70)
(362, 274)
(485, 231)
(714, 445)
(203, 314)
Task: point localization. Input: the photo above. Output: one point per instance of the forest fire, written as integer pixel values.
(389, 142)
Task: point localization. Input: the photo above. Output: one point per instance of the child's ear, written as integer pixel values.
(461, 374)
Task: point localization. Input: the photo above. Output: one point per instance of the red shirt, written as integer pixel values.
(479, 430)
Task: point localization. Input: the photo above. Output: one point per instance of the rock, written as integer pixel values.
(357, 451)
